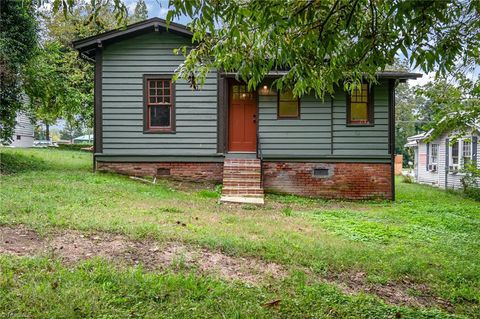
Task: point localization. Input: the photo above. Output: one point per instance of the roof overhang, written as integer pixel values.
(401, 76)
(87, 46)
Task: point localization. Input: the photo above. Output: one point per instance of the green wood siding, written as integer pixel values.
(124, 64)
(309, 135)
(320, 133)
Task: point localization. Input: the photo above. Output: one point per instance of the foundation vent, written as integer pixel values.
(163, 171)
(321, 172)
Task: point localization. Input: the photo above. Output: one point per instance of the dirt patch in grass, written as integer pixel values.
(73, 246)
(399, 293)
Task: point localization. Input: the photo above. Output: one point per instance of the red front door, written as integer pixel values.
(242, 119)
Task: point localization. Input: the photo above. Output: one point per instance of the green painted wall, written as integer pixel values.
(124, 64)
(318, 133)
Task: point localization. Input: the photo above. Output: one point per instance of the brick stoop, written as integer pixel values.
(242, 181)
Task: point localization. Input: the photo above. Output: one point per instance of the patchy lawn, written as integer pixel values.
(78, 244)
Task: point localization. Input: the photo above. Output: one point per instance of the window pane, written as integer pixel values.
(152, 91)
(152, 100)
(288, 109)
(286, 95)
(159, 116)
(455, 153)
(467, 149)
(359, 105)
(288, 105)
(359, 112)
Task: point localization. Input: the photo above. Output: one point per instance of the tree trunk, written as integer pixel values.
(47, 132)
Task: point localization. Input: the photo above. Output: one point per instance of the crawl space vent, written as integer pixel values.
(163, 171)
(320, 172)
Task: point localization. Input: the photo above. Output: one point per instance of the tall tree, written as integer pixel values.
(140, 13)
(52, 84)
(59, 84)
(18, 39)
(321, 43)
(407, 120)
(450, 105)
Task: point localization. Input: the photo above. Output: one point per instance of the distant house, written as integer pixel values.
(440, 162)
(252, 141)
(24, 131)
(84, 139)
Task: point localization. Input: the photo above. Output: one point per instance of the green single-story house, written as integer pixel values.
(148, 125)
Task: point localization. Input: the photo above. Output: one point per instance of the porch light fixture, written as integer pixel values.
(265, 90)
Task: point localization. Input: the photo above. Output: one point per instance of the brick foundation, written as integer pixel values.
(194, 172)
(344, 180)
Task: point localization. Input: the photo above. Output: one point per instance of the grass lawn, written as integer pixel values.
(418, 257)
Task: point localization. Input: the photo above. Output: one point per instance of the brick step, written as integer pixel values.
(238, 167)
(242, 181)
(243, 200)
(241, 160)
(242, 191)
(241, 184)
(242, 171)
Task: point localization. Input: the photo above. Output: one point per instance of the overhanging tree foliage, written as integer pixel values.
(450, 106)
(322, 43)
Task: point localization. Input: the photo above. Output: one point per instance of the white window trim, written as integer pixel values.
(460, 155)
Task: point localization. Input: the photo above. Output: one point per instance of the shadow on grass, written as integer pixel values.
(15, 163)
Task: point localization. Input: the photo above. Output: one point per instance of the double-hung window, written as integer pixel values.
(460, 154)
(466, 152)
(159, 104)
(359, 107)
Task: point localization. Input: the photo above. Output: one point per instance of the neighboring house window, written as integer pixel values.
(454, 153)
(460, 154)
(159, 104)
(19, 137)
(358, 106)
(466, 152)
(433, 154)
(288, 105)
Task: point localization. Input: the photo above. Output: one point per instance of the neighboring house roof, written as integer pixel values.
(87, 46)
(84, 138)
(413, 141)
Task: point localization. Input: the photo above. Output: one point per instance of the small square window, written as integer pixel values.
(19, 137)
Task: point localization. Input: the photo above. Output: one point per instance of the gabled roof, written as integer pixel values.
(88, 45)
(412, 141)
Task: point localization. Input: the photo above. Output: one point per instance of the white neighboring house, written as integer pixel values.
(23, 134)
(439, 162)
(84, 139)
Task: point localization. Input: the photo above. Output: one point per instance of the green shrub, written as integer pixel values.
(73, 147)
(470, 184)
(408, 179)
